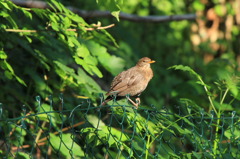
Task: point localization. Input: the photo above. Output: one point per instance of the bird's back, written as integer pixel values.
(132, 81)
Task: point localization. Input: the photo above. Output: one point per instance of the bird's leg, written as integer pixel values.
(135, 104)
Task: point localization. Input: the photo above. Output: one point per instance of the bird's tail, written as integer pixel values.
(109, 98)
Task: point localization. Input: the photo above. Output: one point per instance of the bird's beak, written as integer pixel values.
(152, 61)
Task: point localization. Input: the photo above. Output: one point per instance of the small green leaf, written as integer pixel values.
(8, 74)
(20, 81)
(186, 120)
(27, 13)
(112, 5)
(5, 5)
(116, 14)
(8, 66)
(3, 55)
(232, 133)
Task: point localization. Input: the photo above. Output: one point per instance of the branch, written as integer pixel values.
(95, 27)
(106, 14)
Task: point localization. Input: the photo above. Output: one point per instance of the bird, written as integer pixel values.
(131, 82)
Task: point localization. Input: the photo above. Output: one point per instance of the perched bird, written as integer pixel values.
(131, 82)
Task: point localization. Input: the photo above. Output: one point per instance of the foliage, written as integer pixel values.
(53, 59)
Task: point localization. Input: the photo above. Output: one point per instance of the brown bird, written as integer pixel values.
(131, 82)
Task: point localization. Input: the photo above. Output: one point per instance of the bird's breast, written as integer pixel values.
(148, 74)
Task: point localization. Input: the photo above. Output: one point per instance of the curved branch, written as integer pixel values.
(106, 14)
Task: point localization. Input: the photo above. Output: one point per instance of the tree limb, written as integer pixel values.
(107, 14)
(96, 27)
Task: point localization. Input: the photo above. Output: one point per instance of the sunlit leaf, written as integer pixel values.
(64, 143)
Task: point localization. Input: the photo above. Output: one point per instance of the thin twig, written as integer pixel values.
(40, 132)
(64, 129)
(41, 141)
(11, 132)
(34, 31)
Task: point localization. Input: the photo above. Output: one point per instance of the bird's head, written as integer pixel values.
(145, 62)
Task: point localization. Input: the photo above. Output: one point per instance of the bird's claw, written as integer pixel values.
(138, 101)
(135, 104)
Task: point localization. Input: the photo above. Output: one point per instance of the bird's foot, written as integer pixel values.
(135, 104)
(138, 101)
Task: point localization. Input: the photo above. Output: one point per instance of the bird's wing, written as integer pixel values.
(124, 80)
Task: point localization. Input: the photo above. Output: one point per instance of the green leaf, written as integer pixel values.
(22, 155)
(112, 5)
(5, 15)
(27, 13)
(89, 64)
(192, 72)
(8, 74)
(197, 155)
(112, 135)
(82, 51)
(8, 66)
(116, 14)
(5, 5)
(91, 60)
(63, 67)
(96, 71)
(45, 113)
(185, 120)
(223, 107)
(66, 145)
(182, 131)
(43, 59)
(110, 37)
(232, 84)
(78, 19)
(20, 81)
(84, 78)
(198, 5)
(111, 63)
(95, 121)
(232, 133)
(185, 68)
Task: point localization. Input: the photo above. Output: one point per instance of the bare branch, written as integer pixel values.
(96, 27)
(106, 14)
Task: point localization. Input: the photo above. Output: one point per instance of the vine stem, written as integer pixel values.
(209, 98)
(147, 146)
(218, 122)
